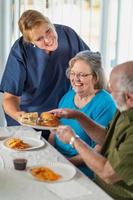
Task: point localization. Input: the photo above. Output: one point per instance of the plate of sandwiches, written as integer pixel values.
(23, 143)
(52, 172)
(44, 121)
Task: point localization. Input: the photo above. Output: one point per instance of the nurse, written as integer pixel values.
(34, 79)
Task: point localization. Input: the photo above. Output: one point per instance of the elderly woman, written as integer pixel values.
(87, 95)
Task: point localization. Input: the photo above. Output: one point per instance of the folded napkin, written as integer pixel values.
(5, 133)
(73, 189)
(1, 162)
(18, 131)
(22, 131)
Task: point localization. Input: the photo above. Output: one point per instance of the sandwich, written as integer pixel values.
(29, 118)
(48, 119)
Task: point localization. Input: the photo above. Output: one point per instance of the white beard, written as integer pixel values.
(122, 108)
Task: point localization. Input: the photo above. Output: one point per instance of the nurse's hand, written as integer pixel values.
(11, 105)
(19, 115)
(65, 113)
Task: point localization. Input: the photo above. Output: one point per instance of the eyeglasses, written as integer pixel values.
(79, 75)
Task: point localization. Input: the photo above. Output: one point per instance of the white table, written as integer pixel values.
(19, 185)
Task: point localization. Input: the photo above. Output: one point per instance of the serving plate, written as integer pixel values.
(39, 127)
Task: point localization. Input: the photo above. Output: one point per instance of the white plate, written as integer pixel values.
(33, 142)
(65, 170)
(39, 127)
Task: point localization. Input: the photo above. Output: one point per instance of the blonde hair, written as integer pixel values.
(29, 20)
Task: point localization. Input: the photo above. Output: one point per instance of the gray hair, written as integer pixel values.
(125, 82)
(123, 77)
(93, 59)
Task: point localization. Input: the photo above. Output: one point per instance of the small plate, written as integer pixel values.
(39, 127)
(66, 171)
(33, 142)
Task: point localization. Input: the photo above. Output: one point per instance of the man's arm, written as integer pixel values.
(11, 105)
(76, 160)
(95, 131)
(96, 162)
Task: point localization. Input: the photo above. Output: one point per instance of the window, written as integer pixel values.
(82, 15)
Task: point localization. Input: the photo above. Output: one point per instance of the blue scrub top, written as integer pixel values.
(37, 77)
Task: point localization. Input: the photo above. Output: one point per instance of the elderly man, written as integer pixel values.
(113, 166)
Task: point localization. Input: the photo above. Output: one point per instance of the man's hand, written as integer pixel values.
(65, 113)
(65, 133)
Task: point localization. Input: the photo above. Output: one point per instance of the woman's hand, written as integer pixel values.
(65, 133)
(66, 113)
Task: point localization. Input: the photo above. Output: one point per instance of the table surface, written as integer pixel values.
(19, 185)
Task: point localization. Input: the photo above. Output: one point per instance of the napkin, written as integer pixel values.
(72, 189)
(18, 131)
(22, 131)
(1, 162)
(5, 133)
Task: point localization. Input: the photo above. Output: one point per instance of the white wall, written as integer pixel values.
(125, 35)
(5, 42)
